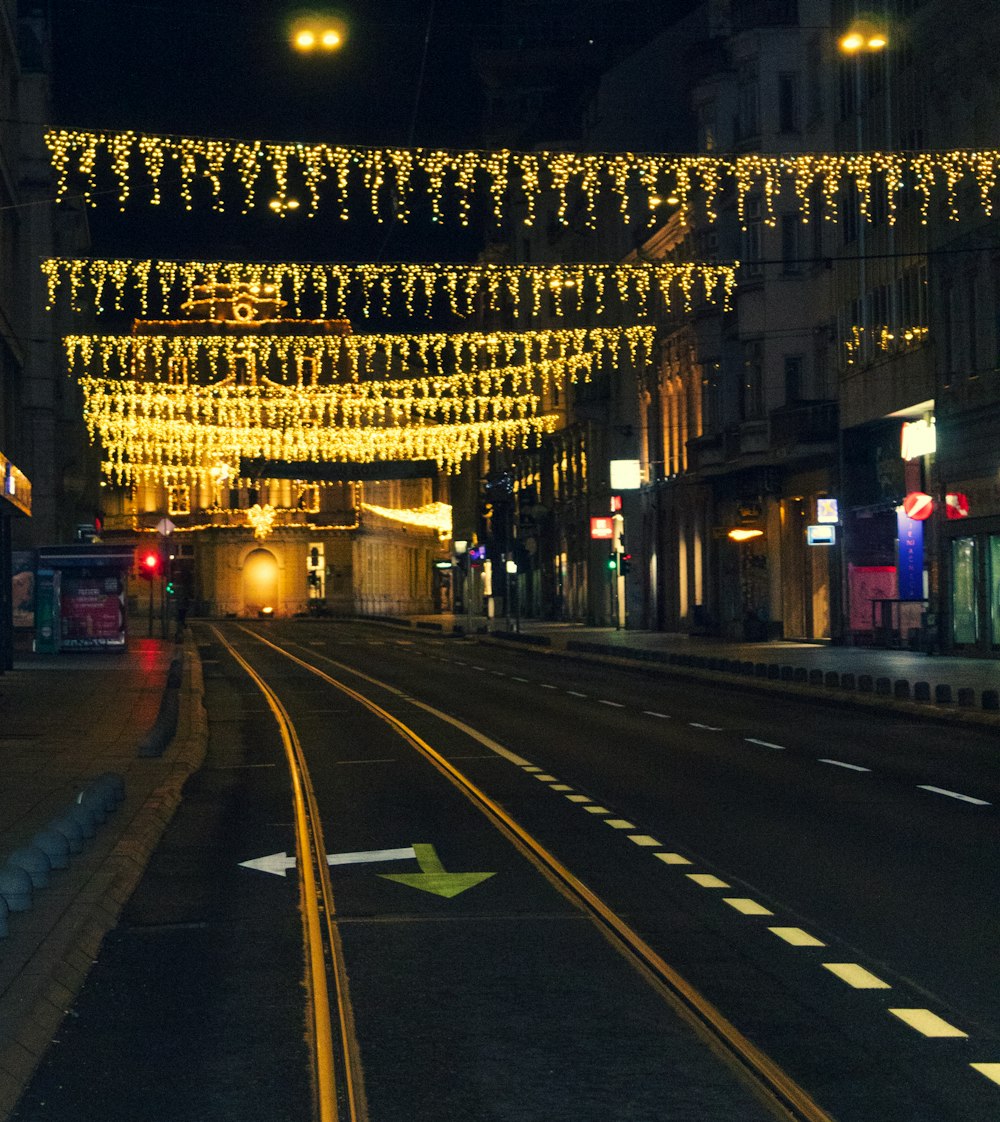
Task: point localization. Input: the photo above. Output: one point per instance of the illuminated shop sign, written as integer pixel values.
(918, 438)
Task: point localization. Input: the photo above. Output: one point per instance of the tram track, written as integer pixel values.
(337, 1074)
(784, 1098)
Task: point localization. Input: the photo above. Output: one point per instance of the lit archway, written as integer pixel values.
(260, 583)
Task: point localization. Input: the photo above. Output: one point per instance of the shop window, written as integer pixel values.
(994, 562)
(965, 623)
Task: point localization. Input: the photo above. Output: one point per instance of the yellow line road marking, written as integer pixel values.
(747, 907)
(797, 937)
(707, 880)
(642, 839)
(926, 1022)
(672, 859)
(561, 787)
(543, 778)
(856, 976)
(578, 798)
(786, 1097)
(620, 824)
(596, 809)
(991, 1071)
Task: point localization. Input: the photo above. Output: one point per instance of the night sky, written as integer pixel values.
(226, 69)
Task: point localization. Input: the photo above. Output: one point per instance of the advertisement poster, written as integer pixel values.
(868, 583)
(23, 587)
(911, 557)
(93, 613)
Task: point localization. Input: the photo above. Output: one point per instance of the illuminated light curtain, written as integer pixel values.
(382, 287)
(353, 356)
(430, 516)
(390, 177)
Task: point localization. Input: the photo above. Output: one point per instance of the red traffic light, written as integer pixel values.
(149, 564)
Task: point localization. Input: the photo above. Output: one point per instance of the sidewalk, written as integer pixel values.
(944, 686)
(64, 720)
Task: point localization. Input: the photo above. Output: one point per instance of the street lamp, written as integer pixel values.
(318, 32)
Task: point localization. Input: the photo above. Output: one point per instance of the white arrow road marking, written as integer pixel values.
(280, 863)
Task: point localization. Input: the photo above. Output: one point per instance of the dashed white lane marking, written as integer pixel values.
(765, 743)
(672, 859)
(707, 728)
(543, 778)
(483, 668)
(856, 976)
(850, 767)
(619, 824)
(747, 907)
(953, 795)
(561, 787)
(578, 798)
(498, 673)
(613, 704)
(926, 1022)
(546, 686)
(797, 937)
(575, 693)
(653, 713)
(707, 880)
(643, 839)
(513, 679)
(593, 809)
(991, 1071)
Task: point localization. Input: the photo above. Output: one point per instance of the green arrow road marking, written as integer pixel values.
(432, 876)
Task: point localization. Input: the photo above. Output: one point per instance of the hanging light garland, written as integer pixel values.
(391, 176)
(462, 289)
(430, 516)
(883, 339)
(350, 356)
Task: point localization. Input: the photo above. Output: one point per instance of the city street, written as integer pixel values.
(780, 898)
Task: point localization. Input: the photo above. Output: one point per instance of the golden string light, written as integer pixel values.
(430, 516)
(563, 288)
(390, 177)
(349, 357)
(883, 339)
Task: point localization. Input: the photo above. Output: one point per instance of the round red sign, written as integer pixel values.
(918, 506)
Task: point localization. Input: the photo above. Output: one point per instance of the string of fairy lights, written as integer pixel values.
(561, 288)
(390, 178)
(350, 357)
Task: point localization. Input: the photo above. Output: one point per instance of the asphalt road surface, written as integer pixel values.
(618, 894)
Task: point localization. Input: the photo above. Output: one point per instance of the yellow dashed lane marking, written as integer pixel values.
(707, 880)
(561, 787)
(620, 824)
(926, 1022)
(642, 839)
(991, 1071)
(578, 798)
(543, 778)
(672, 859)
(797, 937)
(747, 907)
(856, 976)
(597, 810)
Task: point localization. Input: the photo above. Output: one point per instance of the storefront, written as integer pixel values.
(15, 502)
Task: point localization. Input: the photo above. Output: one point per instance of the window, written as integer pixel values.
(814, 78)
(308, 369)
(788, 103)
(752, 255)
(748, 105)
(791, 256)
(965, 618)
(752, 398)
(793, 378)
(243, 371)
(179, 499)
(177, 371)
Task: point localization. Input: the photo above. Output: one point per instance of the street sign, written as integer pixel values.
(602, 528)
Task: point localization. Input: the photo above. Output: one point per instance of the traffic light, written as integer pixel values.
(612, 562)
(625, 566)
(149, 564)
(170, 588)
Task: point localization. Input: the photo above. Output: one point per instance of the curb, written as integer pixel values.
(774, 678)
(62, 961)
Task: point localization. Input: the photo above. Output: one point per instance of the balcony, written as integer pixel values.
(804, 423)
